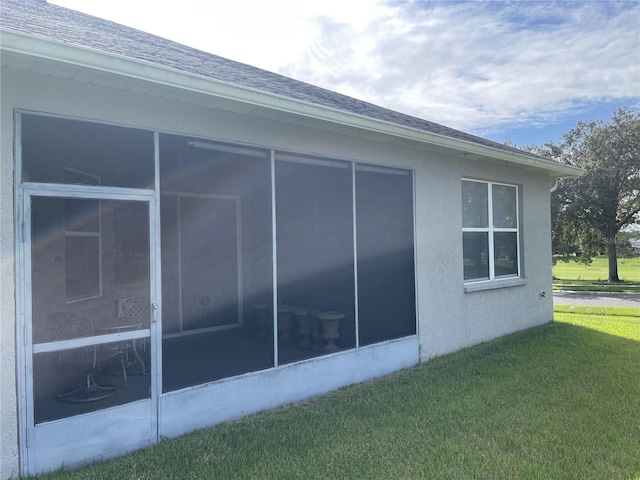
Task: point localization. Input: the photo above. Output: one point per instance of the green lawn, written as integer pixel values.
(628, 270)
(558, 401)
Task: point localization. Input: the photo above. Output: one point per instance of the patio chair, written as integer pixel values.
(86, 359)
(136, 307)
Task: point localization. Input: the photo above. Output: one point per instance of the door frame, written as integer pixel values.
(178, 196)
(51, 436)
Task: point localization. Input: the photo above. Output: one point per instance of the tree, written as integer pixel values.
(591, 210)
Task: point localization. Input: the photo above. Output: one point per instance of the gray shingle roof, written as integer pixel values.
(38, 18)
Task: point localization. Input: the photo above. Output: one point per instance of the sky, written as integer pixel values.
(512, 71)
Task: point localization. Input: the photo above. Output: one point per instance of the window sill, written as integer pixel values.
(493, 284)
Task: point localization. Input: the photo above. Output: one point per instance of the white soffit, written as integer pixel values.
(27, 52)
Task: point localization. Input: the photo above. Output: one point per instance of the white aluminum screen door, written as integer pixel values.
(89, 307)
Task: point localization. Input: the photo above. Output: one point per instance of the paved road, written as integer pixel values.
(597, 299)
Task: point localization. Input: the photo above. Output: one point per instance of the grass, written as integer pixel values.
(576, 276)
(620, 321)
(592, 286)
(558, 401)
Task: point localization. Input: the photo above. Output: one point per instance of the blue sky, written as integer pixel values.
(523, 71)
(540, 134)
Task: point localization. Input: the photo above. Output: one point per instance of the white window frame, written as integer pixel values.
(490, 230)
(92, 180)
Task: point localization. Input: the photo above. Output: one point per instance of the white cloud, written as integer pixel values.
(477, 65)
(474, 65)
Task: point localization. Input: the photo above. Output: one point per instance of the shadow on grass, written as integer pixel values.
(556, 401)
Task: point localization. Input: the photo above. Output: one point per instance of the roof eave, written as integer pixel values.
(38, 47)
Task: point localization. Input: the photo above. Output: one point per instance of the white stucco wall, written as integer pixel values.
(8, 398)
(449, 318)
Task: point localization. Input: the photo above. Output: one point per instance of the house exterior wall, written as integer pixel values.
(8, 394)
(449, 318)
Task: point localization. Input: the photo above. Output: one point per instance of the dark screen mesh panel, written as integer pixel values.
(314, 225)
(216, 261)
(386, 285)
(57, 150)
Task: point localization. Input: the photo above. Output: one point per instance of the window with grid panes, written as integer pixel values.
(490, 230)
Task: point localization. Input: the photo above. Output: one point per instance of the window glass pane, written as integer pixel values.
(504, 206)
(215, 213)
(314, 228)
(506, 253)
(475, 248)
(384, 221)
(475, 205)
(59, 150)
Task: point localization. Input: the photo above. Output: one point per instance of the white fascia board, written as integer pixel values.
(37, 47)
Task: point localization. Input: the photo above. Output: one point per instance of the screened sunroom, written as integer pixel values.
(160, 262)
